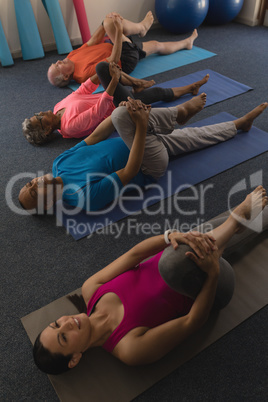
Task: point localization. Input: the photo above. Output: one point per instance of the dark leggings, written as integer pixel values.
(122, 92)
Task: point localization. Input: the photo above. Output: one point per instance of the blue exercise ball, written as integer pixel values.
(181, 16)
(223, 11)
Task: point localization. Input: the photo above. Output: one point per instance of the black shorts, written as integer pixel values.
(131, 54)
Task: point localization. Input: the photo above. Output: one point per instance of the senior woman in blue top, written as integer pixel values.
(92, 174)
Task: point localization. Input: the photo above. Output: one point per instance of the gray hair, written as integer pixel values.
(58, 81)
(35, 135)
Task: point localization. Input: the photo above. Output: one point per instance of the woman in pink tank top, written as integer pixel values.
(139, 309)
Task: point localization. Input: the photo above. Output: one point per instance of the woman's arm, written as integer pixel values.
(157, 342)
(81, 124)
(102, 132)
(97, 36)
(137, 254)
(117, 46)
(85, 121)
(127, 261)
(140, 115)
(115, 73)
(91, 84)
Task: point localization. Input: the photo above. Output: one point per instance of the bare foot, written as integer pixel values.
(191, 39)
(189, 89)
(190, 108)
(146, 24)
(140, 85)
(250, 208)
(245, 122)
(196, 85)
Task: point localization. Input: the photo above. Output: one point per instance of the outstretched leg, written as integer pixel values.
(245, 122)
(190, 89)
(193, 138)
(163, 48)
(142, 90)
(137, 84)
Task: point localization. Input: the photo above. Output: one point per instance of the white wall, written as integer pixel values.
(249, 12)
(95, 10)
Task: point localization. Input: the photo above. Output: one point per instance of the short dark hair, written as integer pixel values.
(49, 363)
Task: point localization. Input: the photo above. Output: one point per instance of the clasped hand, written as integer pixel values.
(138, 111)
(115, 70)
(205, 251)
(117, 20)
(113, 15)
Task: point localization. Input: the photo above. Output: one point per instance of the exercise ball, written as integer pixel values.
(223, 11)
(181, 16)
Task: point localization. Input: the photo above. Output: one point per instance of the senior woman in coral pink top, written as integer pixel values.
(77, 115)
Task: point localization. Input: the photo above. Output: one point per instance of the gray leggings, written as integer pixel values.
(184, 276)
(163, 141)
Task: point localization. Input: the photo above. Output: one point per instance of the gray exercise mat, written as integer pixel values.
(101, 377)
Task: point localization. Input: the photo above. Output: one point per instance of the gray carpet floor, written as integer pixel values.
(40, 262)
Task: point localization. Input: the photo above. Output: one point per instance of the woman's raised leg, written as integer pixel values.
(241, 222)
(121, 93)
(129, 27)
(183, 275)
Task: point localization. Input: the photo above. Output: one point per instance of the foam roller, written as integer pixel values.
(31, 45)
(5, 55)
(57, 22)
(82, 19)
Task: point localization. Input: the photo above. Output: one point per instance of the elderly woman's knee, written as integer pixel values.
(102, 68)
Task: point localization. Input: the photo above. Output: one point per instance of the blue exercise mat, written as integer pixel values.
(57, 22)
(5, 55)
(31, 45)
(218, 88)
(155, 64)
(183, 172)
